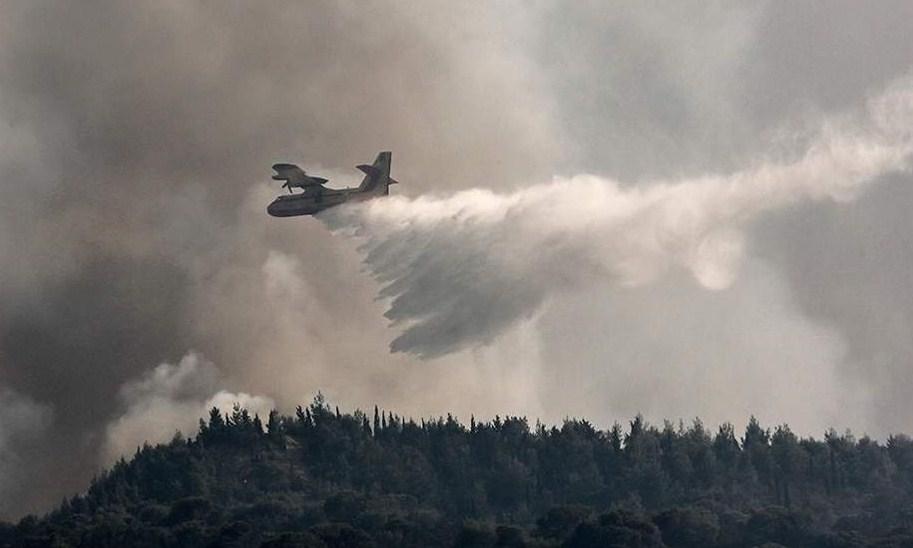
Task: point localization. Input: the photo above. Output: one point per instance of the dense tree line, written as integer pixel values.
(323, 478)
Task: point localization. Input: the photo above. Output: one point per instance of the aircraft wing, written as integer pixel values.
(295, 176)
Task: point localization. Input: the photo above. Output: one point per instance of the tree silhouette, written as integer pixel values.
(323, 477)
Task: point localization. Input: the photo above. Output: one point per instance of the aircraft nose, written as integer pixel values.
(272, 209)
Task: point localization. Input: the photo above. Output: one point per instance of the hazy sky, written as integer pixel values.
(141, 280)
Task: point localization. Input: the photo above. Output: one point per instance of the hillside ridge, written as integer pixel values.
(325, 478)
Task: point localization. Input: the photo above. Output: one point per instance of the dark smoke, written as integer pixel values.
(132, 136)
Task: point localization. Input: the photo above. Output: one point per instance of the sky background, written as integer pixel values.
(142, 282)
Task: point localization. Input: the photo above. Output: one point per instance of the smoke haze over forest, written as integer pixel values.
(695, 211)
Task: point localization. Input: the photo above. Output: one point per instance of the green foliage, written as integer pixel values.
(324, 478)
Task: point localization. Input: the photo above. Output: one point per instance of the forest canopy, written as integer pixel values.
(326, 478)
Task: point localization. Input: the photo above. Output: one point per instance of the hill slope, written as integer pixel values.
(322, 478)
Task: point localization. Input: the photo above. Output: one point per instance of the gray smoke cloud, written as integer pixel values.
(459, 271)
(135, 142)
(23, 424)
(170, 399)
(132, 224)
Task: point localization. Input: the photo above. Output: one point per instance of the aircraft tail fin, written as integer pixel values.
(377, 175)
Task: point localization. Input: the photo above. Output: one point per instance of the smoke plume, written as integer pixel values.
(170, 399)
(23, 424)
(460, 270)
